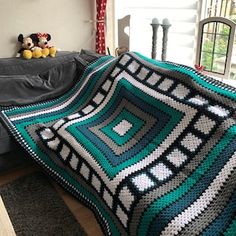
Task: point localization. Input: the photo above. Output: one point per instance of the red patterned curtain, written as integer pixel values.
(100, 34)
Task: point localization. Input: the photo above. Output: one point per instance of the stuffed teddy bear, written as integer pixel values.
(41, 40)
(28, 48)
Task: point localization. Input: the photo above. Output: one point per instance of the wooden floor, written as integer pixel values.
(6, 228)
(83, 215)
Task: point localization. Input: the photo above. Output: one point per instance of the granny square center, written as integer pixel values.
(122, 128)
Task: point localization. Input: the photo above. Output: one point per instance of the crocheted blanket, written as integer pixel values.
(149, 146)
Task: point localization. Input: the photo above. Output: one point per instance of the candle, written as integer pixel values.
(155, 21)
(165, 21)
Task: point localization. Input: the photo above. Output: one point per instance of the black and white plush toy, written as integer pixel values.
(41, 40)
(27, 45)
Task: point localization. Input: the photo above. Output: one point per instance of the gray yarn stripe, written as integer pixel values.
(203, 200)
(74, 175)
(197, 225)
(178, 179)
(118, 150)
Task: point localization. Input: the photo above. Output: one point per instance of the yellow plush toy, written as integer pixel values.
(45, 52)
(37, 52)
(52, 51)
(27, 54)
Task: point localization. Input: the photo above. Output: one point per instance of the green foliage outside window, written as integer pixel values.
(214, 50)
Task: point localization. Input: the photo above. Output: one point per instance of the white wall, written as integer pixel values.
(183, 17)
(66, 20)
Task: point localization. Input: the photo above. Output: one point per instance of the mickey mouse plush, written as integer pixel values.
(28, 49)
(26, 46)
(26, 43)
(42, 41)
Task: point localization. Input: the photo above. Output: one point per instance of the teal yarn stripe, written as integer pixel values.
(171, 197)
(193, 75)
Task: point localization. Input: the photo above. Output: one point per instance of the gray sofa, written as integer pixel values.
(29, 81)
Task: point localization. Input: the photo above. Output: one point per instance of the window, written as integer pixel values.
(227, 10)
(184, 16)
(221, 8)
(215, 45)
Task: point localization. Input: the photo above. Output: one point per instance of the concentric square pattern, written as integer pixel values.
(128, 130)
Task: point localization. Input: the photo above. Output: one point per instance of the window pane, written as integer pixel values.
(206, 60)
(209, 27)
(221, 44)
(222, 29)
(207, 42)
(233, 67)
(219, 64)
(233, 73)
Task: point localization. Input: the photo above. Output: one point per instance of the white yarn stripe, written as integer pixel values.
(58, 124)
(198, 206)
(112, 184)
(167, 100)
(65, 104)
